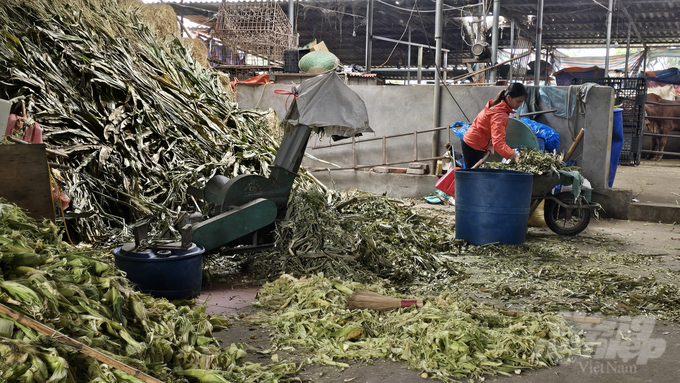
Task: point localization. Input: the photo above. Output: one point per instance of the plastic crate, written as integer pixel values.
(291, 57)
(631, 94)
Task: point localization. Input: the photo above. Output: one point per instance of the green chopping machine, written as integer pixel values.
(243, 209)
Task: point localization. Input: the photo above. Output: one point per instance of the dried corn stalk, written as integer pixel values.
(138, 117)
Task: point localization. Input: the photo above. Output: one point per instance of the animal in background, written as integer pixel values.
(661, 108)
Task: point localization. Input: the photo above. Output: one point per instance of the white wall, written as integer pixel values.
(396, 109)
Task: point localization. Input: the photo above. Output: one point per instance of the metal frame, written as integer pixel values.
(354, 142)
(660, 135)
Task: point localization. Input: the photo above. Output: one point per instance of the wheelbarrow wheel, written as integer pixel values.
(566, 221)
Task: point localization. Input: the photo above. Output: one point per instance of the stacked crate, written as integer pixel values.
(631, 94)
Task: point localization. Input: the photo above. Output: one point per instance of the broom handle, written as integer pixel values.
(480, 162)
(573, 145)
(61, 338)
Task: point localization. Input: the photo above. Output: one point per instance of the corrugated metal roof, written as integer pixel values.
(566, 23)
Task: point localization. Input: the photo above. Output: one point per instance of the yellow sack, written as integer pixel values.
(537, 219)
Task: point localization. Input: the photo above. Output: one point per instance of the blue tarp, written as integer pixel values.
(565, 76)
(666, 76)
(549, 135)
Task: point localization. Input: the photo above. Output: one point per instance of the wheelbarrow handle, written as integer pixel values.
(480, 162)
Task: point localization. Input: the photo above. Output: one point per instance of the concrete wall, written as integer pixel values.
(405, 109)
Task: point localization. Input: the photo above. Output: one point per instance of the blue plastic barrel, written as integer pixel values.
(492, 206)
(171, 274)
(617, 144)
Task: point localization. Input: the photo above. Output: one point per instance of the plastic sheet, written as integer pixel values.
(555, 98)
(328, 106)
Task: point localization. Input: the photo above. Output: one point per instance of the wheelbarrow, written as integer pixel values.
(563, 214)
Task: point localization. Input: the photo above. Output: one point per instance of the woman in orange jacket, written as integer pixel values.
(487, 132)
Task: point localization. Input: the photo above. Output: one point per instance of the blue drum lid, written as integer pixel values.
(150, 253)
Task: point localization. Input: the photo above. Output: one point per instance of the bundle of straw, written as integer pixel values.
(364, 299)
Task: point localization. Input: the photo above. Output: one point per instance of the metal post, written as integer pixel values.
(512, 49)
(369, 34)
(494, 39)
(415, 146)
(627, 49)
(420, 64)
(181, 18)
(609, 33)
(437, 78)
(539, 32)
(547, 62)
(354, 152)
(291, 16)
(445, 67)
(384, 147)
(408, 64)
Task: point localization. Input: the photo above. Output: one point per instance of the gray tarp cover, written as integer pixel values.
(328, 106)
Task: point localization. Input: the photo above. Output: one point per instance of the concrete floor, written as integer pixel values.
(651, 355)
(651, 181)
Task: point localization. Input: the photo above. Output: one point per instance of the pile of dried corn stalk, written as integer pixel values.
(139, 119)
(448, 338)
(358, 236)
(78, 293)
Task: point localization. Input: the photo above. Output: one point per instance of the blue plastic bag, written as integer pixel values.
(459, 128)
(551, 137)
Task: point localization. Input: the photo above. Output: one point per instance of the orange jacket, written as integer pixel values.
(488, 129)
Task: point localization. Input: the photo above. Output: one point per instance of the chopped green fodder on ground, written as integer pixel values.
(80, 294)
(448, 338)
(358, 236)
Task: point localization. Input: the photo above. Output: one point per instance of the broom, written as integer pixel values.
(364, 299)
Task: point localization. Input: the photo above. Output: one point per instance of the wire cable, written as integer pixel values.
(402, 35)
(449, 8)
(436, 67)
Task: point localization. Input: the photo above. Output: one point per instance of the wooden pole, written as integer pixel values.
(535, 113)
(573, 146)
(61, 338)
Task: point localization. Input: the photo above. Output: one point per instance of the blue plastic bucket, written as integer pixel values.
(171, 274)
(617, 144)
(492, 206)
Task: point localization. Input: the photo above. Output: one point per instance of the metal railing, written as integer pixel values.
(660, 135)
(384, 139)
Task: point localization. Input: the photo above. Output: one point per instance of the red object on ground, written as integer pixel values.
(33, 133)
(60, 198)
(257, 80)
(11, 122)
(447, 183)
